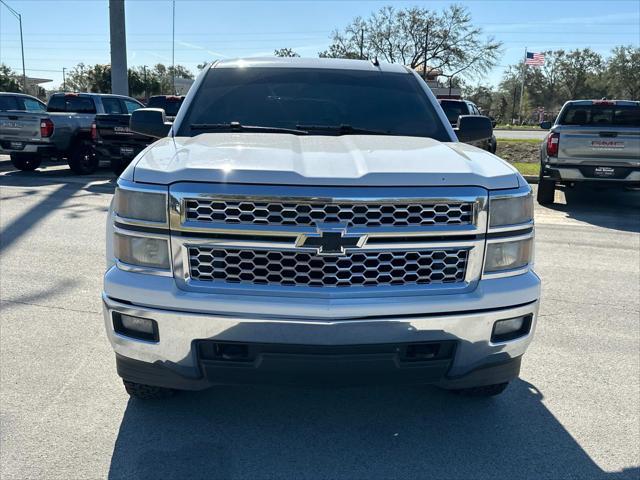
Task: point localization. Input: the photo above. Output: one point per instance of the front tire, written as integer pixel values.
(26, 162)
(82, 159)
(147, 392)
(482, 391)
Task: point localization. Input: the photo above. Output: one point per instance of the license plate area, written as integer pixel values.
(126, 151)
(16, 145)
(604, 172)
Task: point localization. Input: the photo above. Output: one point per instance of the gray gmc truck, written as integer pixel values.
(593, 142)
(63, 131)
(317, 220)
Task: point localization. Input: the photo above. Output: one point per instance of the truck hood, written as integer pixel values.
(348, 160)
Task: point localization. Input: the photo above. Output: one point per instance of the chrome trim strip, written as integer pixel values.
(146, 270)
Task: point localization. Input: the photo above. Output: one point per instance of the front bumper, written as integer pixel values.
(175, 360)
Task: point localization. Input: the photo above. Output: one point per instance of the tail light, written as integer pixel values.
(46, 128)
(94, 131)
(553, 143)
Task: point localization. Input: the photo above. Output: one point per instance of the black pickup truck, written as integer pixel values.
(114, 142)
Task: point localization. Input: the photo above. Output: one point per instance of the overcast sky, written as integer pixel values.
(62, 33)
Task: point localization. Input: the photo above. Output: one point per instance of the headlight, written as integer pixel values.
(510, 210)
(508, 255)
(137, 205)
(141, 251)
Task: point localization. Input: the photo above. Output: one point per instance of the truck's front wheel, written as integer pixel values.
(82, 159)
(26, 161)
(147, 392)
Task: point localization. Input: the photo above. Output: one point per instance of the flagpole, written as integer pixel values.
(524, 68)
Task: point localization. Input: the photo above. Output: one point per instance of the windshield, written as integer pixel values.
(596, 115)
(453, 110)
(393, 103)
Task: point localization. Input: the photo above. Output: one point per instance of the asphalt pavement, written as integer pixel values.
(520, 134)
(574, 414)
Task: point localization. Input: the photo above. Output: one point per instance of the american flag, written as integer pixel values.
(536, 59)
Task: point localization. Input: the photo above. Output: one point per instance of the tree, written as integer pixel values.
(623, 77)
(445, 41)
(97, 78)
(578, 71)
(285, 52)
(9, 80)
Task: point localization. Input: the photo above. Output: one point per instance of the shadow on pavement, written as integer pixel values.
(612, 208)
(365, 432)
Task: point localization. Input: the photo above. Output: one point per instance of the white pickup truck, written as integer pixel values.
(308, 221)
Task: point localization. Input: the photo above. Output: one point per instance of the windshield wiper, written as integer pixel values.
(344, 129)
(238, 127)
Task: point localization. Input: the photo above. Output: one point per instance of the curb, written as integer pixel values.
(531, 178)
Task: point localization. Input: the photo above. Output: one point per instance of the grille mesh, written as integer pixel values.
(312, 213)
(291, 268)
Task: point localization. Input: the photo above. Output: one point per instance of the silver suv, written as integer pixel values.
(317, 221)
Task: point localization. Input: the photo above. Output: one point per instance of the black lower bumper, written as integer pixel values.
(313, 365)
(591, 174)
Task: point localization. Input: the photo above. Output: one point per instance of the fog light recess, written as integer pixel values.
(136, 327)
(511, 328)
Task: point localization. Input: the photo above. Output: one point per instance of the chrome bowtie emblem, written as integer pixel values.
(332, 241)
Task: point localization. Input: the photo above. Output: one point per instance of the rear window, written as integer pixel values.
(171, 105)
(596, 115)
(71, 103)
(8, 102)
(454, 109)
(287, 97)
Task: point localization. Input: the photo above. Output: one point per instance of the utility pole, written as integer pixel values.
(19, 17)
(173, 48)
(64, 80)
(119, 78)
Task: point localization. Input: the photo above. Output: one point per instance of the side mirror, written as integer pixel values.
(472, 128)
(149, 121)
(493, 122)
(545, 125)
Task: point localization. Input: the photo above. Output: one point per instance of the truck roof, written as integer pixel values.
(604, 101)
(296, 62)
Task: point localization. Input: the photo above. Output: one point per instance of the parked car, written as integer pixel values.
(317, 219)
(114, 142)
(169, 103)
(62, 132)
(592, 141)
(454, 108)
(20, 102)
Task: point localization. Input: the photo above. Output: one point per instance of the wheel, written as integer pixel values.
(483, 391)
(118, 165)
(26, 161)
(82, 159)
(147, 392)
(546, 191)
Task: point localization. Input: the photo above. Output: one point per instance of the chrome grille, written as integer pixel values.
(296, 268)
(239, 211)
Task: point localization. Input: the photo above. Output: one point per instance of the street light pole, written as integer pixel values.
(64, 80)
(173, 47)
(19, 17)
